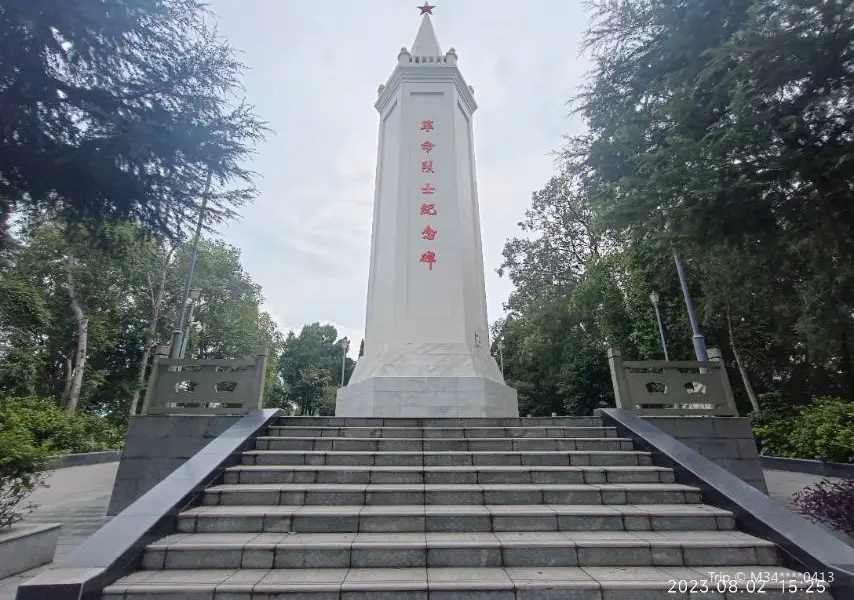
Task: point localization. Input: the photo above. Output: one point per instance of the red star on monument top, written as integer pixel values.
(427, 9)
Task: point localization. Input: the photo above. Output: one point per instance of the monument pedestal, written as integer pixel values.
(419, 380)
(426, 398)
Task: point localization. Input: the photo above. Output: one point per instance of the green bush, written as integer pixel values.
(55, 431)
(772, 426)
(823, 430)
(21, 466)
(30, 430)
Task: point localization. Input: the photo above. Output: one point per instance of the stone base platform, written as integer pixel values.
(427, 397)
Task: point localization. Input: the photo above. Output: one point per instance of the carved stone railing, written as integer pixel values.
(205, 387)
(677, 388)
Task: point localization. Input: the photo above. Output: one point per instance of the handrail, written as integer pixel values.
(804, 545)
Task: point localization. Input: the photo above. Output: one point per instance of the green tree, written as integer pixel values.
(704, 136)
(120, 112)
(310, 364)
(88, 300)
(128, 292)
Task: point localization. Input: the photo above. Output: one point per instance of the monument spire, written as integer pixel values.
(426, 332)
(426, 43)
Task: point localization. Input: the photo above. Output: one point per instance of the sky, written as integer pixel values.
(313, 72)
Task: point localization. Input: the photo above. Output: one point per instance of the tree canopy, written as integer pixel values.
(119, 110)
(128, 296)
(721, 129)
(310, 369)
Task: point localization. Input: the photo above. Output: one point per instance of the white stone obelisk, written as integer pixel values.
(426, 337)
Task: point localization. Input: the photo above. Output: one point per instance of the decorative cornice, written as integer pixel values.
(419, 74)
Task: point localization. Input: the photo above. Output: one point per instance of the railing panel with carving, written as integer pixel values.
(658, 387)
(205, 387)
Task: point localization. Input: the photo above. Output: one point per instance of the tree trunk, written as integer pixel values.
(82, 322)
(847, 364)
(156, 305)
(751, 393)
(69, 369)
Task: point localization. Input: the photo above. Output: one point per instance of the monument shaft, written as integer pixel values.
(426, 338)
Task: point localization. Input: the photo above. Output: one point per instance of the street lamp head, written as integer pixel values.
(653, 297)
(345, 344)
(195, 294)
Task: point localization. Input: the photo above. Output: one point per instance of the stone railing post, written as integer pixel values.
(161, 353)
(715, 356)
(618, 379)
(260, 378)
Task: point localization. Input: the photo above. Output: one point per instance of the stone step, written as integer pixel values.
(443, 432)
(461, 550)
(454, 518)
(441, 444)
(447, 422)
(513, 583)
(295, 494)
(487, 474)
(430, 459)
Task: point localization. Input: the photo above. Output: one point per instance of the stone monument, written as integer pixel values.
(426, 337)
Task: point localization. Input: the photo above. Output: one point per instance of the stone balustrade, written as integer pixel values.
(675, 388)
(205, 387)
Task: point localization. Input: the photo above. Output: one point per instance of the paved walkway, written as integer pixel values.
(782, 485)
(78, 498)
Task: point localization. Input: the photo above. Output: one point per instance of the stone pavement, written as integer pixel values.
(782, 485)
(78, 497)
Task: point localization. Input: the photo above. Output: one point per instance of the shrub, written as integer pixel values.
(21, 465)
(55, 431)
(823, 430)
(829, 502)
(771, 426)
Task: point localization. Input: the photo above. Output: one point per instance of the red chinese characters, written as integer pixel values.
(429, 234)
(429, 258)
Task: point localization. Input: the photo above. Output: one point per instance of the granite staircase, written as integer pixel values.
(446, 509)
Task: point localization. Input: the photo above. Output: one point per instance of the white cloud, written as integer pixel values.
(314, 72)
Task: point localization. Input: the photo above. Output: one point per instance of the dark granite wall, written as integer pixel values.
(727, 441)
(155, 446)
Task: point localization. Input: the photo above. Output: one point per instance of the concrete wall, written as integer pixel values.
(727, 441)
(155, 446)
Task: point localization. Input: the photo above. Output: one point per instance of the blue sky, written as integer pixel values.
(314, 68)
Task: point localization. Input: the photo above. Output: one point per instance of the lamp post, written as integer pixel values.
(194, 298)
(345, 347)
(178, 333)
(501, 355)
(653, 297)
(698, 339)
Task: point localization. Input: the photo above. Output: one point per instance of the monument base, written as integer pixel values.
(427, 397)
